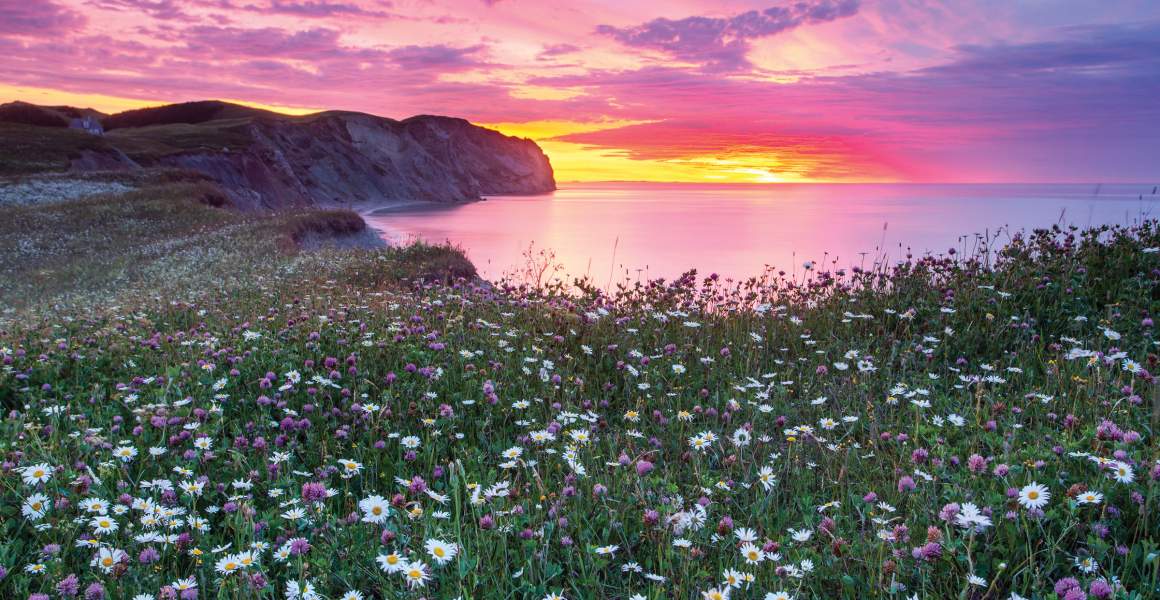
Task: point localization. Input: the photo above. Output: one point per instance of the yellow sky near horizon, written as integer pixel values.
(115, 104)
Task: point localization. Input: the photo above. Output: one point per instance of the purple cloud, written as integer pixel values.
(555, 50)
(721, 44)
(268, 42)
(40, 18)
(314, 9)
(1090, 48)
(440, 56)
(158, 9)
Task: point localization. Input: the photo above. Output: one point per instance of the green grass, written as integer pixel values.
(174, 228)
(147, 144)
(28, 149)
(857, 407)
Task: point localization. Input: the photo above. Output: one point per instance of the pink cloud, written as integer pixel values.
(268, 42)
(722, 44)
(158, 9)
(443, 57)
(554, 50)
(323, 9)
(38, 18)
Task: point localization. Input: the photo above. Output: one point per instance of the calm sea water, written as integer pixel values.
(613, 231)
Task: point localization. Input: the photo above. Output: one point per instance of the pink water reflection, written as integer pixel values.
(615, 230)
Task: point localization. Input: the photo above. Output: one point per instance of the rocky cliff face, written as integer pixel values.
(269, 161)
(355, 159)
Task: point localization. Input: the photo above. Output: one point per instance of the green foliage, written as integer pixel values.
(26, 149)
(569, 440)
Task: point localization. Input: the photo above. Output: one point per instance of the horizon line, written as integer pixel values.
(778, 183)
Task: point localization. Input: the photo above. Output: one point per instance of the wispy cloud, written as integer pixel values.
(722, 44)
(316, 43)
(554, 50)
(158, 9)
(314, 9)
(38, 18)
(442, 57)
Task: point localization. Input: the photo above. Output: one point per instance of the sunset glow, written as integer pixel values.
(736, 91)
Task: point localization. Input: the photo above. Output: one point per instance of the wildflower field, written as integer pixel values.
(948, 427)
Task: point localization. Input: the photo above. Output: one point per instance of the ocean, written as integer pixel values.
(611, 232)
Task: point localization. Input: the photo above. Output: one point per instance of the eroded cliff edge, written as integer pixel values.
(267, 160)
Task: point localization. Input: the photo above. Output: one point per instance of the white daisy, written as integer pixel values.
(1034, 495)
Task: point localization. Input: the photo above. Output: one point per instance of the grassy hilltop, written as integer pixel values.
(89, 240)
(199, 403)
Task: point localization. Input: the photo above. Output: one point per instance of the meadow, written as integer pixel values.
(348, 425)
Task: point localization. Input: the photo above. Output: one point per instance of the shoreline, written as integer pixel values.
(388, 237)
(392, 237)
(394, 206)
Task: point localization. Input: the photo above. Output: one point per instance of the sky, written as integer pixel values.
(741, 91)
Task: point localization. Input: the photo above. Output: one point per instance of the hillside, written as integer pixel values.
(43, 116)
(100, 239)
(266, 160)
(187, 112)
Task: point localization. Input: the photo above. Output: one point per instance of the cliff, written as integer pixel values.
(267, 160)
